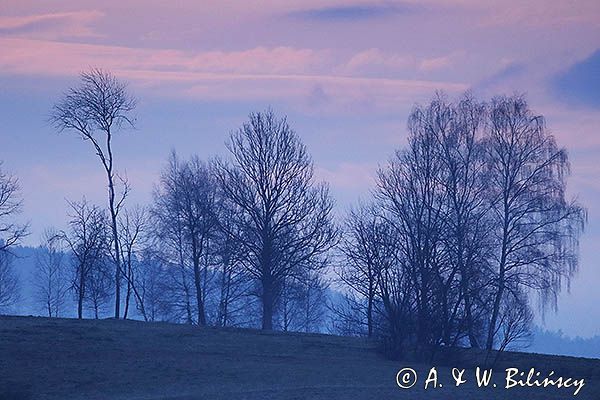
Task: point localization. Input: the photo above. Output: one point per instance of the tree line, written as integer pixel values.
(467, 229)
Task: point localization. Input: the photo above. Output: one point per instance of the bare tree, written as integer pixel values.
(10, 205)
(96, 109)
(150, 281)
(312, 301)
(302, 302)
(133, 234)
(232, 281)
(413, 200)
(197, 200)
(87, 240)
(171, 250)
(51, 280)
(347, 314)
(98, 285)
(364, 255)
(284, 218)
(514, 325)
(460, 182)
(288, 310)
(185, 207)
(537, 229)
(11, 234)
(169, 241)
(397, 304)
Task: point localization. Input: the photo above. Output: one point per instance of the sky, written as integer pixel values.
(346, 74)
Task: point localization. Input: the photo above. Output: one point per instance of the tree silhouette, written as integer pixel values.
(96, 109)
(283, 217)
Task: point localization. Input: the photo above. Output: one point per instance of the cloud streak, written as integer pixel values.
(263, 73)
(377, 62)
(52, 25)
(358, 12)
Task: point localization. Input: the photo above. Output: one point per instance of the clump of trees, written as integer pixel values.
(225, 242)
(466, 231)
(465, 226)
(245, 231)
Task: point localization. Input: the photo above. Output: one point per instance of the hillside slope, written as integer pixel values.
(43, 358)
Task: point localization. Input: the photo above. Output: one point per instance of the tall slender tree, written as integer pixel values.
(96, 109)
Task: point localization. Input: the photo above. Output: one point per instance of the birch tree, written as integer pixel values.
(537, 227)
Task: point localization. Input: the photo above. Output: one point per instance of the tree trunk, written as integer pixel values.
(200, 303)
(129, 284)
(127, 300)
(140, 302)
(501, 278)
(370, 306)
(117, 251)
(268, 299)
(224, 301)
(496, 309)
(494, 319)
(81, 292)
(469, 316)
(114, 226)
(196, 253)
(466, 292)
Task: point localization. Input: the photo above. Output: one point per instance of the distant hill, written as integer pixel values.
(548, 342)
(43, 358)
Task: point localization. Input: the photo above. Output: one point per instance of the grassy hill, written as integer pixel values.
(43, 358)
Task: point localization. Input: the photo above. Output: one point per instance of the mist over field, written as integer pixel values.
(543, 341)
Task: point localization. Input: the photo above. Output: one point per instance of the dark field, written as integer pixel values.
(44, 358)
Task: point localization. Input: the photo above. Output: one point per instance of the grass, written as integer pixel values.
(43, 358)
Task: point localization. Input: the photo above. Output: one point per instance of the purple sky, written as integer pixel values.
(346, 74)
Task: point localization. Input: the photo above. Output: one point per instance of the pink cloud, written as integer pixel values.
(374, 57)
(375, 61)
(279, 72)
(60, 58)
(51, 25)
(436, 63)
